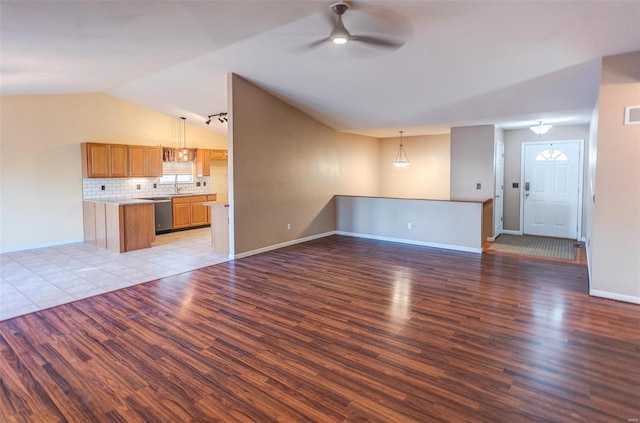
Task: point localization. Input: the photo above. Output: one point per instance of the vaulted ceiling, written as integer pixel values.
(508, 63)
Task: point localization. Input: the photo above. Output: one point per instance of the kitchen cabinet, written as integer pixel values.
(204, 157)
(181, 215)
(203, 161)
(218, 154)
(104, 160)
(117, 227)
(145, 161)
(188, 211)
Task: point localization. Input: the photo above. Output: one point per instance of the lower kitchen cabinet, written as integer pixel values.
(181, 215)
(189, 211)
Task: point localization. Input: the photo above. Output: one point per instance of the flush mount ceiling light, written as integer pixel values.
(222, 117)
(401, 158)
(540, 129)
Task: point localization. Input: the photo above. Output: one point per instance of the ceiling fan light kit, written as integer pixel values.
(341, 35)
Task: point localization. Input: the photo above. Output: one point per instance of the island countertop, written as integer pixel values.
(116, 201)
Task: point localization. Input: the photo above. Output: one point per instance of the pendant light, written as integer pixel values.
(401, 158)
(540, 129)
(183, 154)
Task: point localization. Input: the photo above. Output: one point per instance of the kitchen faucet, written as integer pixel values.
(176, 185)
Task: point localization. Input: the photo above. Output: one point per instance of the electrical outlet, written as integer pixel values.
(102, 187)
(198, 184)
(204, 183)
(155, 185)
(478, 185)
(288, 226)
(137, 186)
(408, 225)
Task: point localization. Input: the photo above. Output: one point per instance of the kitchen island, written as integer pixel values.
(119, 224)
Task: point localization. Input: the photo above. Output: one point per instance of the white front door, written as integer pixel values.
(498, 203)
(551, 189)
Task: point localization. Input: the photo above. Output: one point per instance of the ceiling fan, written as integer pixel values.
(341, 35)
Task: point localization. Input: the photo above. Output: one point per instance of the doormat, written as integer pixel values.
(530, 245)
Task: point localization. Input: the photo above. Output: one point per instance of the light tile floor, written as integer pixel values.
(33, 280)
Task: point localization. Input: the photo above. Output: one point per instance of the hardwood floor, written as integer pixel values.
(335, 330)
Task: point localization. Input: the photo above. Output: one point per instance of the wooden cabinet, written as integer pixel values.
(218, 154)
(104, 160)
(189, 211)
(203, 160)
(119, 228)
(154, 164)
(181, 214)
(145, 161)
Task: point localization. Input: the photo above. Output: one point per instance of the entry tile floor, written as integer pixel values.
(36, 279)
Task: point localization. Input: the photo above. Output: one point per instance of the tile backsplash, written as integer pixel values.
(128, 187)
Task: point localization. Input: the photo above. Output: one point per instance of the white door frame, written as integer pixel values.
(580, 180)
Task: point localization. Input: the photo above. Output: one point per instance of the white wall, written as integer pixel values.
(427, 175)
(615, 242)
(40, 168)
(472, 162)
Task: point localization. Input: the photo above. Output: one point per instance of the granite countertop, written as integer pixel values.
(119, 201)
(216, 203)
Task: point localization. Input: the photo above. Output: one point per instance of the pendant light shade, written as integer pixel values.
(401, 157)
(540, 129)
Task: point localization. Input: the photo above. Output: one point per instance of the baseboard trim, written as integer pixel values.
(510, 232)
(280, 245)
(614, 296)
(413, 242)
(43, 245)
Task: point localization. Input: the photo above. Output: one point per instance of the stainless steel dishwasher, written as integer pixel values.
(163, 213)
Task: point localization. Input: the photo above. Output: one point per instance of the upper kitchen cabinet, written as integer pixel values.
(204, 157)
(104, 160)
(145, 161)
(219, 154)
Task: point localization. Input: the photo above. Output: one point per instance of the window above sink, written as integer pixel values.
(171, 170)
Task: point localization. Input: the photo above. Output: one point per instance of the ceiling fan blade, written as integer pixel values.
(377, 41)
(314, 44)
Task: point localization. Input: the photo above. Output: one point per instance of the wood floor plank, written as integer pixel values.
(334, 330)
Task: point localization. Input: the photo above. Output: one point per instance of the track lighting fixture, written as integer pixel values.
(222, 117)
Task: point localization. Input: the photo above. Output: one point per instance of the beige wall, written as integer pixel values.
(615, 253)
(41, 181)
(472, 162)
(286, 168)
(443, 224)
(427, 175)
(513, 140)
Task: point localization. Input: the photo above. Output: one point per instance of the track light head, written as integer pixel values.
(222, 117)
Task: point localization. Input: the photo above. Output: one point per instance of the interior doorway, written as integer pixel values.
(552, 174)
